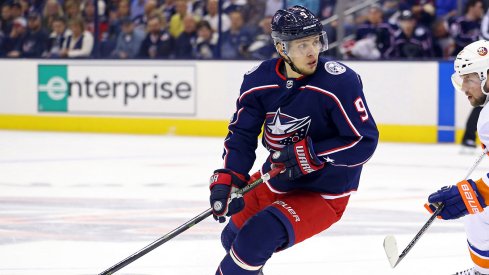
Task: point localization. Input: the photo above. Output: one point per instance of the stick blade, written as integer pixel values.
(390, 247)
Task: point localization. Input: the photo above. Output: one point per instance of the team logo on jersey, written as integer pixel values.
(282, 129)
(289, 84)
(334, 68)
(482, 51)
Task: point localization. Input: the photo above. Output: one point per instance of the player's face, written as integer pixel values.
(305, 53)
(471, 86)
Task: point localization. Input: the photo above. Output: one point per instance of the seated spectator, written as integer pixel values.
(205, 47)
(446, 9)
(236, 40)
(466, 29)
(88, 12)
(212, 17)
(375, 30)
(16, 10)
(72, 9)
(6, 19)
(412, 41)
(13, 42)
(34, 43)
(137, 8)
(128, 42)
(168, 9)
(262, 47)
(51, 10)
(186, 41)
(57, 38)
(424, 12)
(443, 42)
(176, 21)
(158, 42)
(253, 13)
(79, 43)
(141, 21)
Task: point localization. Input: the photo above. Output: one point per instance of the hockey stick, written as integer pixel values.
(390, 244)
(182, 228)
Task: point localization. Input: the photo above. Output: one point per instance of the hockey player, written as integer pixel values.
(471, 196)
(316, 124)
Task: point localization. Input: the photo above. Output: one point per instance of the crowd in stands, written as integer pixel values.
(189, 29)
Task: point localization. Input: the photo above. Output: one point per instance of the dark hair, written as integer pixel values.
(203, 24)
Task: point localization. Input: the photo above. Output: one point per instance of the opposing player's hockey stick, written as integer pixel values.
(390, 244)
(177, 231)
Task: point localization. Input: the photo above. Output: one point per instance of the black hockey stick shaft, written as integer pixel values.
(182, 228)
(438, 210)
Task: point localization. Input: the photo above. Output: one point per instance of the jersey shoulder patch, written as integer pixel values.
(334, 68)
(252, 70)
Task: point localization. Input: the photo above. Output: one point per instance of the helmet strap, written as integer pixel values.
(291, 64)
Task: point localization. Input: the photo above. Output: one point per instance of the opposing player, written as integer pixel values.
(316, 124)
(471, 196)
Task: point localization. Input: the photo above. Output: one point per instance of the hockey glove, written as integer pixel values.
(459, 200)
(298, 159)
(224, 202)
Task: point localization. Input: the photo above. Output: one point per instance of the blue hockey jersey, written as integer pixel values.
(328, 106)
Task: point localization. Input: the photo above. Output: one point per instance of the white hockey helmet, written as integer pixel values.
(474, 58)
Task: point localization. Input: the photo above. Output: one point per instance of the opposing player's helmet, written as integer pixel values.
(474, 58)
(295, 23)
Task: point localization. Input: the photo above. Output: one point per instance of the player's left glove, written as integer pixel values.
(224, 202)
(299, 159)
(459, 200)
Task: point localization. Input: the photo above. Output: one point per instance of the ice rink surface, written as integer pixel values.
(79, 203)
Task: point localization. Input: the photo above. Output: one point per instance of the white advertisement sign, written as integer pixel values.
(112, 89)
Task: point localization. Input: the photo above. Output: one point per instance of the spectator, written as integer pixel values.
(446, 9)
(168, 8)
(34, 43)
(137, 8)
(79, 43)
(6, 19)
(72, 9)
(485, 26)
(253, 13)
(466, 29)
(51, 10)
(158, 42)
(235, 41)
(443, 42)
(57, 38)
(16, 10)
(88, 11)
(13, 42)
(141, 21)
(375, 30)
(262, 47)
(213, 19)
(115, 17)
(423, 11)
(128, 42)
(205, 47)
(412, 41)
(185, 42)
(176, 21)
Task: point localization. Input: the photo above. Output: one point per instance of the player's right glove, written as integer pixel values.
(224, 202)
(299, 159)
(459, 200)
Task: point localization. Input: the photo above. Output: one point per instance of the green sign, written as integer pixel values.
(53, 88)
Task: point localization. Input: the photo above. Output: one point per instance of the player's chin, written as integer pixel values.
(308, 70)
